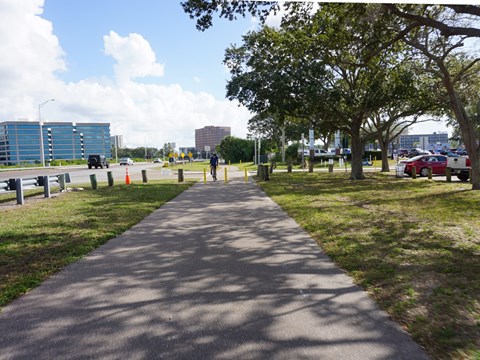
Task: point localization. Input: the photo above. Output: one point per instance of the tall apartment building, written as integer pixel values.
(210, 136)
(20, 141)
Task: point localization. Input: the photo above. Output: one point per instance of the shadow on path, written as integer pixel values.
(220, 272)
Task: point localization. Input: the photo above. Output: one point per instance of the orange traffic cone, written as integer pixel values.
(127, 177)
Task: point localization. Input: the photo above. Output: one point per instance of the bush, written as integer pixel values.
(291, 153)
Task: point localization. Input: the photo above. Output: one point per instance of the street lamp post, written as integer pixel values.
(115, 143)
(42, 150)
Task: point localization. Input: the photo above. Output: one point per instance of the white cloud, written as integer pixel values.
(30, 56)
(135, 58)
(144, 113)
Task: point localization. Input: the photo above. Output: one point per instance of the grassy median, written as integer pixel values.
(41, 237)
(414, 245)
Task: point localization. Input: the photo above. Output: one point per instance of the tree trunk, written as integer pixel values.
(357, 154)
(467, 126)
(384, 149)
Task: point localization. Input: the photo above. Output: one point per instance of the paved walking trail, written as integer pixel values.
(220, 272)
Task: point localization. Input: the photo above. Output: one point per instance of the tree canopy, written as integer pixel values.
(357, 49)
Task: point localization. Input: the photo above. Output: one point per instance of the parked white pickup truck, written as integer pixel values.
(460, 166)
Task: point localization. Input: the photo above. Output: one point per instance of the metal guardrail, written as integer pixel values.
(29, 183)
(19, 184)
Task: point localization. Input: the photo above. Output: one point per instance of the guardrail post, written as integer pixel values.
(63, 182)
(144, 176)
(266, 175)
(180, 175)
(19, 189)
(46, 185)
(429, 173)
(110, 178)
(289, 168)
(414, 172)
(93, 181)
(12, 184)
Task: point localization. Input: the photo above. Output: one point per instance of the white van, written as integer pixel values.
(318, 152)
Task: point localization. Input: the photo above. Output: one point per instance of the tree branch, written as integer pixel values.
(444, 29)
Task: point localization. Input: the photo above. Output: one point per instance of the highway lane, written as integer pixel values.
(80, 174)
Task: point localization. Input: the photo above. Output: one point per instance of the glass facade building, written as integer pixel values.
(20, 141)
(435, 141)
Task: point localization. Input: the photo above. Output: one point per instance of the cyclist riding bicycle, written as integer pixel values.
(213, 166)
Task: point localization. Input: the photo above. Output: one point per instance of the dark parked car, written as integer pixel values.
(402, 153)
(422, 163)
(415, 152)
(97, 161)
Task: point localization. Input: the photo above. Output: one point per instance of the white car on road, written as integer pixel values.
(126, 161)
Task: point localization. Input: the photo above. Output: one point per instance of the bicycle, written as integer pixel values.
(213, 172)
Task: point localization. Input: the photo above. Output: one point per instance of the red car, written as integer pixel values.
(437, 163)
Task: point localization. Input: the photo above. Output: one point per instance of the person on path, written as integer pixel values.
(213, 166)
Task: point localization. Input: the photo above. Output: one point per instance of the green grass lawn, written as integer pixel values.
(413, 245)
(41, 237)
(193, 166)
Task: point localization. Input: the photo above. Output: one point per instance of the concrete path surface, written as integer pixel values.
(220, 272)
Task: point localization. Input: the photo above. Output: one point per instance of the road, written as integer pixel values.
(80, 174)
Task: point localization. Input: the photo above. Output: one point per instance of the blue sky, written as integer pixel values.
(191, 58)
(140, 65)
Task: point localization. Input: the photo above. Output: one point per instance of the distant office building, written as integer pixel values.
(210, 136)
(435, 141)
(117, 140)
(20, 141)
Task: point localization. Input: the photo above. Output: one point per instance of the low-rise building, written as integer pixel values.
(20, 141)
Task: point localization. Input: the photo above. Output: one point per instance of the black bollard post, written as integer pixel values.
(46, 186)
(93, 181)
(110, 178)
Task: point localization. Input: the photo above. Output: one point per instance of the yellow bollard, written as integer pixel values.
(204, 175)
(226, 180)
(246, 176)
